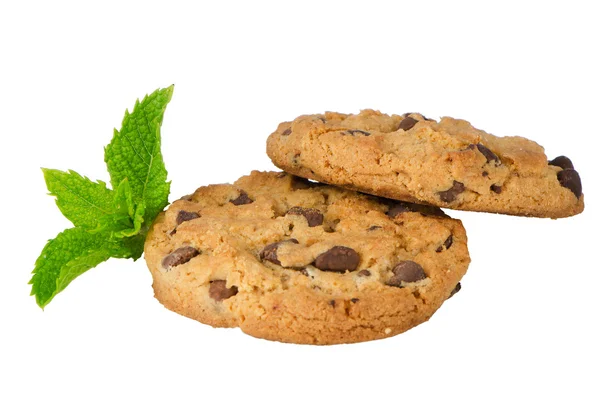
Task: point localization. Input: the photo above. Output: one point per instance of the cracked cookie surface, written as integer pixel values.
(290, 260)
(412, 158)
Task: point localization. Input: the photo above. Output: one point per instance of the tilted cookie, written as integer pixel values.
(289, 260)
(412, 158)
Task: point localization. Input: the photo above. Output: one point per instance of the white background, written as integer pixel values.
(525, 322)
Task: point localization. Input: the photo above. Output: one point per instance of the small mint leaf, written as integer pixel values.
(70, 254)
(134, 153)
(138, 220)
(80, 200)
(123, 199)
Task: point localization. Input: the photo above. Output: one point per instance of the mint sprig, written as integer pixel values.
(107, 223)
(134, 153)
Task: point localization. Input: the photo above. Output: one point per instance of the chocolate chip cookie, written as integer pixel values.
(294, 261)
(413, 158)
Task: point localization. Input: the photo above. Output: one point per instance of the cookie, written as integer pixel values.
(293, 261)
(412, 158)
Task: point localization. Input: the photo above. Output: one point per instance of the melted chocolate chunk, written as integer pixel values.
(184, 216)
(489, 155)
(242, 199)
(364, 273)
(179, 257)
(218, 290)
(406, 272)
(407, 123)
(563, 162)
(338, 259)
(313, 216)
(450, 195)
(496, 189)
(269, 253)
(455, 290)
(356, 132)
(447, 244)
(570, 179)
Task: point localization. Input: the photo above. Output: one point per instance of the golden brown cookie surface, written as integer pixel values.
(289, 260)
(447, 163)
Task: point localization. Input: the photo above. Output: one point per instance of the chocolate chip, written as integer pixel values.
(407, 123)
(242, 199)
(184, 216)
(455, 290)
(269, 253)
(569, 178)
(485, 173)
(449, 195)
(338, 259)
(489, 155)
(398, 207)
(364, 273)
(218, 290)
(447, 244)
(354, 300)
(313, 216)
(179, 257)
(332, 303)
(354, 132)
(374, 227)
(406, 272)
(496, 189)
(563, 162)
(281, 175)
(287, 131)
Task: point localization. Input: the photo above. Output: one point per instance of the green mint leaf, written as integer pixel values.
(80, 200)
(123, 199)
(135, 245)
(134, 212)
(127, 218)
(134, 153)
(71, 253)
(138, 221)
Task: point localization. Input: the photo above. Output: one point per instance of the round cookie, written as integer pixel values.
(412, 158)
(294, 261)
